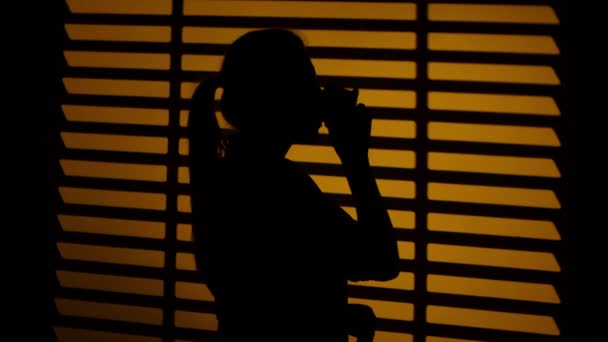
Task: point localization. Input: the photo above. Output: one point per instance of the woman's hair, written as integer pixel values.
(256, 72)
(257, 69)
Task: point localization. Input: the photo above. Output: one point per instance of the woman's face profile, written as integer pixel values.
(303, 102)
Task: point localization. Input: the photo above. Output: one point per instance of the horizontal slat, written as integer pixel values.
(500, 2)
(390, 24)
(481, 334)
(128, 286)
(100, 240)
(511, 243)
(488, 164)
(493, 257)
(488, 72)
(65, 334)
(195, 320)
(114, 87)
(492, 13)
(123, 33)
(515, 181)
(506, 274)
(116, 115)
(493, 210)
(502, 147)
(112, 226)
(121, 7)
(117, 130)
(132, 74)
(109, 326)
(111, 255)
(130, 187)
(492, 320)
(494, 103)
(113, 198)
(116, 46)
(121, 171)
(521, 135)
(117, 101)
(113, 156)
(117, 312)
(119, 60)
(110, 297)
(538, 198)
(506, 291)
(302, 9)
(526, 44)
(496, 226)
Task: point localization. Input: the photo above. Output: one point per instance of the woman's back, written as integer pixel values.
(275, 260)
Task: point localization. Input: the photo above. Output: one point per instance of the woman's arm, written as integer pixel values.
(373, 246)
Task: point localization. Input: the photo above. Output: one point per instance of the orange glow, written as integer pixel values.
(113, 198)
(116, 87)
(492, 73)
(312, 38)
(323, 66)
(114, 255)
(535, 229)
(76, 335)
(492, 288)
(122, 60)
(503, 134)
(121, 6)
(121, 33)
(444, 339)
(493, 43)
(492, 320)
(346, 52)
(154, 173)
(517, 104)
(534, 14)
(302, 9)
(185, 261)
(493, 257)
(195, 320)
(92, 281)
(111, 142)
(100, 225)
(493, 195)
(193, 291)
(116, 312)
(118, 115)
(493, 164)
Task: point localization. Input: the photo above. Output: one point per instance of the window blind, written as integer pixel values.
(465, 148)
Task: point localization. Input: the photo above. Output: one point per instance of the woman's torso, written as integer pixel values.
(274, 258)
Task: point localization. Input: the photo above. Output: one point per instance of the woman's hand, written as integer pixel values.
(349, 124)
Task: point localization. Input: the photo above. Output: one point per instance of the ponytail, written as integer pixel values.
(205, 146)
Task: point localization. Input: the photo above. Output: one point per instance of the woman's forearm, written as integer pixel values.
(373, 219)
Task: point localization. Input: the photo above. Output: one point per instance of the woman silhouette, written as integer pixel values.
(275, 252)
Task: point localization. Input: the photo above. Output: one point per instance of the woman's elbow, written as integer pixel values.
(384, 271)
(389, 273)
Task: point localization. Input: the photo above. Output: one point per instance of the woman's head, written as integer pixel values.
(270, 87)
